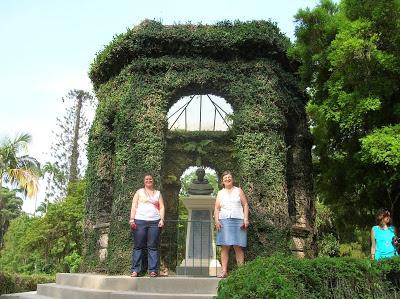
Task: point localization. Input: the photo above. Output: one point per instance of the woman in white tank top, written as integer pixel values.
(231, 216)
(147, 217)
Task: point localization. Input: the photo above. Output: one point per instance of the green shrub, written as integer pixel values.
(359, 246)
(72, 262)
(261, 278)
(390, 271)
(328, 246)
(281, 276)
(16, 283)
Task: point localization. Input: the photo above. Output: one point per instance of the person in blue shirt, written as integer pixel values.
(381, 237)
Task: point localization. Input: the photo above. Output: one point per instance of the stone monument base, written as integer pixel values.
(199, 267)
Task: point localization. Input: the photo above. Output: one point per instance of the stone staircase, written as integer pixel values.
(94, 286)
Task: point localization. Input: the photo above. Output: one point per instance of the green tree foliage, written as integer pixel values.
(328, 244)
(69, 146)
(56, 181)
(327, 236)
(197, 147)
(350, 65)
(51, 243)
(15, 256)
(382, 149)
(16, 167)
(10, 208)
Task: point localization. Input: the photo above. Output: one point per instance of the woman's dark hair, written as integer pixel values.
(222, 177)
(382, 213)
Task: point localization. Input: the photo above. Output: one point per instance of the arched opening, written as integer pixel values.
(200, 112)
(195, 252)
(198, 135)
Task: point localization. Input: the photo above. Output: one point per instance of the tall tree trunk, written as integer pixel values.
(73, 170)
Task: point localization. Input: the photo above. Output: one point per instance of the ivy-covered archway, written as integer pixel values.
(141, 74)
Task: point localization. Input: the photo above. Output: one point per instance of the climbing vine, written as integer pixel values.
(142, 73)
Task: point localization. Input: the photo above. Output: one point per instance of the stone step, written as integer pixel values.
(96, 286)
(172, 284)
(68, 292)
(113, 295)
(24, 295)
(53, 290)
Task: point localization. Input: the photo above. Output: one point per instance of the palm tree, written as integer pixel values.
(20, 171)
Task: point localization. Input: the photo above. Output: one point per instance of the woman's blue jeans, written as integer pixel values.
(146, 235)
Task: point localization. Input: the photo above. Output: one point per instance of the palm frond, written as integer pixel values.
(20, 143)
(20, 171)
(28, 163)
(26, 179)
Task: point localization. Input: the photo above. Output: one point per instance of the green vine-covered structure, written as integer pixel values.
(140, 75)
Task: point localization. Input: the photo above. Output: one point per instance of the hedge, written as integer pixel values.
(17, 283)
(288, 277)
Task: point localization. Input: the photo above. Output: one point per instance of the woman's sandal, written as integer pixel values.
(222, 274)
(153, 274)
(134, 274)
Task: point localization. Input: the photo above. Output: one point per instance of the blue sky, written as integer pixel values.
(47, 47)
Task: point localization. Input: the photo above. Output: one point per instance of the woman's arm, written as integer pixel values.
(217, 208)
(162, 211)
(373, 244)
(133, 208)
(245, 206)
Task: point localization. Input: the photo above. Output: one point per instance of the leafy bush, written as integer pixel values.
(328, 246)
(47, 244)
(72, 262)
(261, 278)
(16, 283)
(359, 246)
(281, 276)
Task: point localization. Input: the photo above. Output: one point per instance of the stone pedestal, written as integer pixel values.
(200, 256)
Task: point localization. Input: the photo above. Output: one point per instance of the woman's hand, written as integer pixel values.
(246, 223)
(161, 223)
(218, 225)
(132, 224)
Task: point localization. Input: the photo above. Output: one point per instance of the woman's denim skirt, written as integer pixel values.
(231, 233)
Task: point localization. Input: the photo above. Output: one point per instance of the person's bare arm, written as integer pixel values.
(373, 244)
(245, 206)
(162, 211)
(133, 208)
(217, 208)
